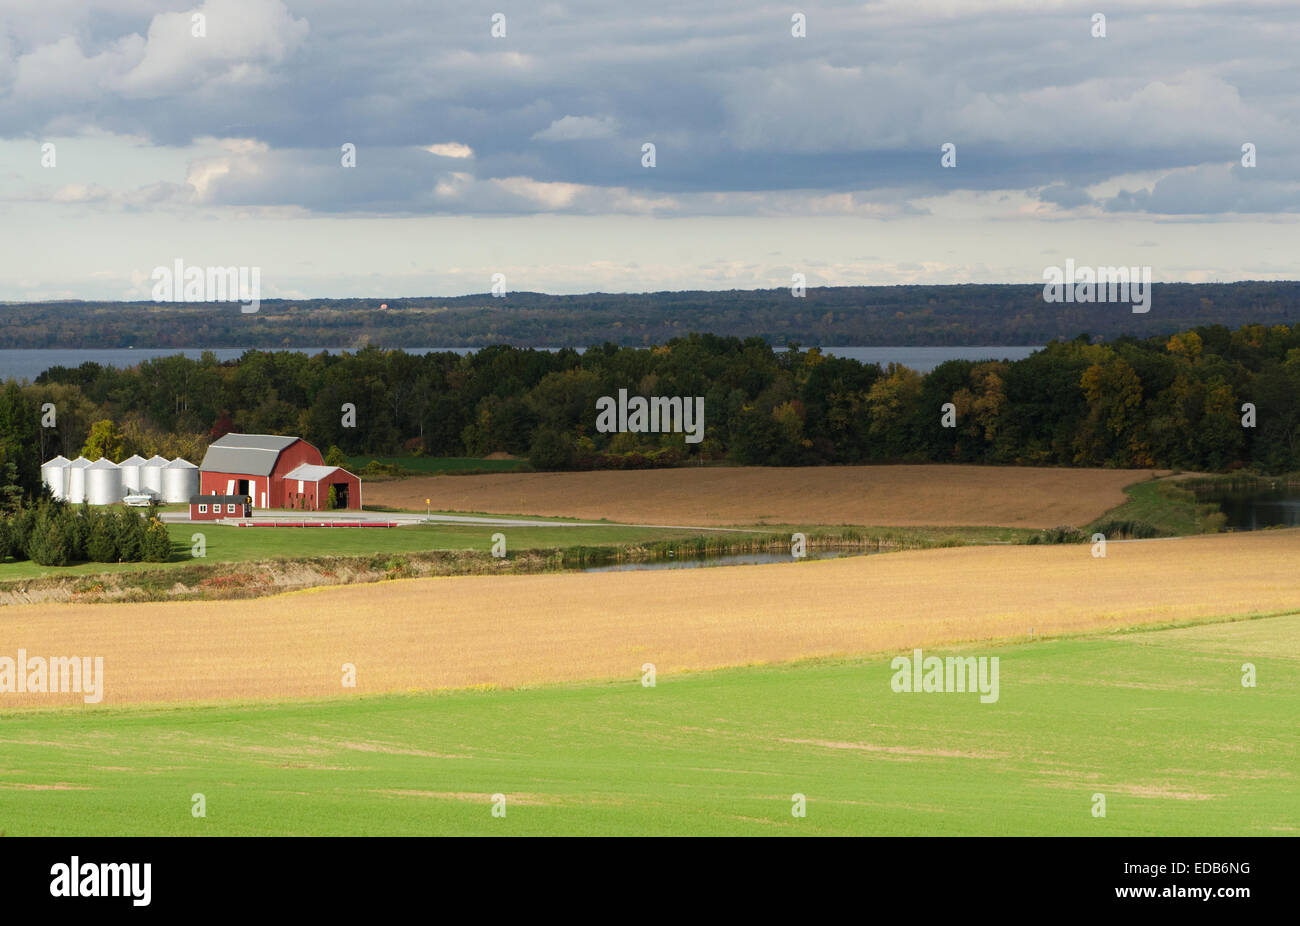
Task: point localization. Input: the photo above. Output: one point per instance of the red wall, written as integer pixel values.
(215, 483)
(298, 452)
(210, 515)
(316, 494)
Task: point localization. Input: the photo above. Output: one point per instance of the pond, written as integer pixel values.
(1254, 508)
(722, 559)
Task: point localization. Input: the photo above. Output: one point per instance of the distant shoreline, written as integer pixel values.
(28, 363)
(867, 316)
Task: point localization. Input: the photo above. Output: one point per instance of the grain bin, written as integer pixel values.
(76, 491)
(54, 473)
(103, 483)
(180, 480)
(131, 474)
(151, 475)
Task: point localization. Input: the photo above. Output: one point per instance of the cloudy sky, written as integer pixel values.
(523, 154)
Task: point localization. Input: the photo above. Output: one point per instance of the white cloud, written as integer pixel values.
(242, 37)
(578, 128)
(244, 40)
(451, 149)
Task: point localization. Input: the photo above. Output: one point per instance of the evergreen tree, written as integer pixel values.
(130, 536)
(19, 528)
(157, 547)
(11, 490)
(19, 438)
(77, 526)
(102, 545)
(48, 543)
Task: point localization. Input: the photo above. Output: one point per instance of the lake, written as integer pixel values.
(1251, 509)
(28, 364)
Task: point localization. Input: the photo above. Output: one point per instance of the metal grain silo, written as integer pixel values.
(103, 483)
(180, 480)
(76, 491)
(131, 474)
(54, 473)
(151, 475)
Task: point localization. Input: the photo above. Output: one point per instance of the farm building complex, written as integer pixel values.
(276, 472)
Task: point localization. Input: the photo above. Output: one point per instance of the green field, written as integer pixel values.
(1157, 721)
(230, 544)
(1166, 506)
(227, 543)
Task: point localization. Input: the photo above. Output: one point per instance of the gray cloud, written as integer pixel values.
(744, 116)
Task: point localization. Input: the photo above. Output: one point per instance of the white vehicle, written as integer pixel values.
(139, 501)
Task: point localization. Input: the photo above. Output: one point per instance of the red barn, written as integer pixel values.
(261, 466)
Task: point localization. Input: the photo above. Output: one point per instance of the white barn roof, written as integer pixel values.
(254, 454)
(312, 472)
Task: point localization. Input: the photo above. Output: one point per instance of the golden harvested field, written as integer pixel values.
(520, 630)
(876, 496)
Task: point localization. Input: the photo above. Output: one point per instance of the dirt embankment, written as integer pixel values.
(222, 580)
(255, 579)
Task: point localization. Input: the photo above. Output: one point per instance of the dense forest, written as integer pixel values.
(863, 316)
(1173, 401)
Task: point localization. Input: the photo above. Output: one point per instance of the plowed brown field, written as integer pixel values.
(520, 630)
(901, 496)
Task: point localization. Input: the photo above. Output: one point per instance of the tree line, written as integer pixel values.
(1180, 401)
(862, 316)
